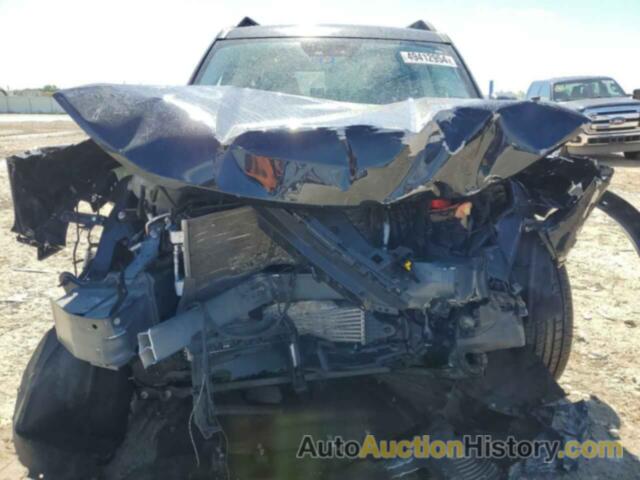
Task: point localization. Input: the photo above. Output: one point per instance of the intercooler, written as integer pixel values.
(332, 322)
(324, 320)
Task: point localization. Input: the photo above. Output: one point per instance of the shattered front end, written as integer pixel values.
(238, 252)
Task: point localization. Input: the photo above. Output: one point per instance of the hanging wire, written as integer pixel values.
(75, 245)
(204, 389)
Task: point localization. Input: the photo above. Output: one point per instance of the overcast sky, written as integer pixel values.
(74, 42)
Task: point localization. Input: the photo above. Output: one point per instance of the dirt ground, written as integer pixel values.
(604, 271)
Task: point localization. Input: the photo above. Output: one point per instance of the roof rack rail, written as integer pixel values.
(422, 25)
(247, 22)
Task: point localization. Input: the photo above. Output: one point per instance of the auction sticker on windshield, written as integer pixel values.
(426, 58)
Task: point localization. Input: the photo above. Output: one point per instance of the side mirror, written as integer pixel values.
(636, 94)
(535, 99)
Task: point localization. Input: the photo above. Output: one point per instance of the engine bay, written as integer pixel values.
(195, 288)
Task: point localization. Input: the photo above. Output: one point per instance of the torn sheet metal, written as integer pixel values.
(47, 183)
(286, 148)
(569, 189)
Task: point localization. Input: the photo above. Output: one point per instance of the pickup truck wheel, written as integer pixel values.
(547, 293)
(632, 155)
(70, 416)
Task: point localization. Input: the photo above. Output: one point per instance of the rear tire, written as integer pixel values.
(632, 155)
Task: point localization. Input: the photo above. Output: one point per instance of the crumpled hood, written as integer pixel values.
(286, 148)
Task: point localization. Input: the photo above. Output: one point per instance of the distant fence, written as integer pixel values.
(29, 104)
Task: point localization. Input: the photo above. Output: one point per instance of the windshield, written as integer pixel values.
(347, 70)
(589, 88)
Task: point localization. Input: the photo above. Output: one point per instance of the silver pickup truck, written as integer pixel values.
(614, 115)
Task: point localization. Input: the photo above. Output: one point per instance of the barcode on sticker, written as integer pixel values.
(426, 58)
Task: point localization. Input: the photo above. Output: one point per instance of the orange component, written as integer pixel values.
(265, 170)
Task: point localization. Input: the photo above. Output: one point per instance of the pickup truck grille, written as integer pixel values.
(612, 139)
(614, 119)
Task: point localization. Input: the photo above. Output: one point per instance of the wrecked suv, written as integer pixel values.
(315, 205)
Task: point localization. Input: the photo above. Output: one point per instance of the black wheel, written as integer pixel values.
(70, 416)
(547, 293)
(632, 155)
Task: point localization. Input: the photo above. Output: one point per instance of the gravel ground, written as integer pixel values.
(603, 268)
(32, 119)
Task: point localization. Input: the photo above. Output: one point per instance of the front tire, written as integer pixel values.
(547, 293)
(70, 416)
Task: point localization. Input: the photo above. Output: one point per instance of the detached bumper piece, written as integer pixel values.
(625, 214)
(98, 322)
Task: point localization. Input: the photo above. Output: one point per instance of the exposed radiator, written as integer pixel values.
(226, 244)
